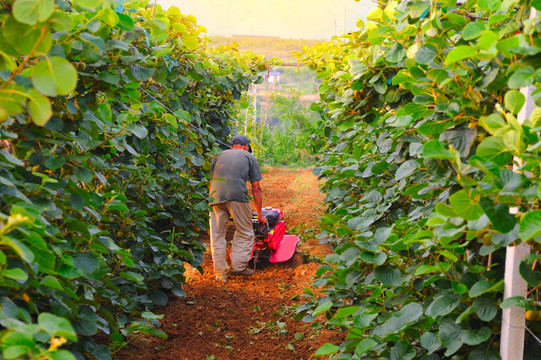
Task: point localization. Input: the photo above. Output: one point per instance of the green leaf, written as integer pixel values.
(494, 124)
(61, 355)
(387, 275)
(12, 98)
(56, 326)
(364, 320)
(450, 335)
(132, 276)
(533, 278)
(375, 14)
(489, 5)
(83, 174)
(445, 210)
(434, 149)
(183, 114)
(353, 277)
(459, 53)
(513, 142)
(396, 54)
(13, 31)
(426, 54)
(148, 315)
(502, 221)
(118, 205)
(377, 259)
(190, 41)
(443, 305)
(344, 312)
(514, 100)
(530, 225)
(54, 162)
(441, 267)
(487, 40)
(52, 282)
(86, 262)
(419, 9)
(125, 22)
(54, 76)
(402, 351)
(536, 4)
(86, 322)
(493, 149)
(382, 234)
(482, 353)
(323, 308)
(405, 316)
(24, 253)
(524, 76)
(364, 346)
(380, 167)
(40, 107)
(76, 225)
(402, 77)
(515, 301)
(476, 337)
(94, 41)
(482, 287)
(171, 120)
(10, 158)
(89, 4)
(140, 131)
(486, 308)
(32, 11)
(430, 342)
(464, 206)
(16, 344)
(473, 30)
(327, 349)
(109, 17)
(507, 44)
(141, 73)
(15, 274)
(406, 169)
(449, 255)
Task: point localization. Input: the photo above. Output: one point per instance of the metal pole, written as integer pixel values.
(513, 320)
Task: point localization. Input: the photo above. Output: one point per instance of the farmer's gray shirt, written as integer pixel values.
(230, 172)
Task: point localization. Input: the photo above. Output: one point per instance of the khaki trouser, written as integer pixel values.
(243, 240)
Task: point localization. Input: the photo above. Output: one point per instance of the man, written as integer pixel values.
(230, 172)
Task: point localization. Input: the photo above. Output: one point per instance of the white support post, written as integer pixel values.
(513, 320)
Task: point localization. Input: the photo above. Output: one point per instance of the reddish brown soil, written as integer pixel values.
(249, 318)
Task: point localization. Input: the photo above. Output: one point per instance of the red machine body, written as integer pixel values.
(271, 241)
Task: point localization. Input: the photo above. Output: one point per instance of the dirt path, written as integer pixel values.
(249, 318)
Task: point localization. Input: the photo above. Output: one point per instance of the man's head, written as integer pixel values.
(241, 142)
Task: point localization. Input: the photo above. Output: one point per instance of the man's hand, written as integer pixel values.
(261, 219)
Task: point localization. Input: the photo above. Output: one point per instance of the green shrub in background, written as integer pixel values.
(421, 108)
(289, 135)
(110, 112)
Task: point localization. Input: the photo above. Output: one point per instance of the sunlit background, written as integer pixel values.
(297, 19)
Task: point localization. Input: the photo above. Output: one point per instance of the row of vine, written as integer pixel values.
(421, 109)
(110, 113)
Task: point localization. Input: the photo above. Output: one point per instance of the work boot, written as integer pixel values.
(245, 272)
(222, 276)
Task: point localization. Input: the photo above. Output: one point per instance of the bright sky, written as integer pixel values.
(298, 19)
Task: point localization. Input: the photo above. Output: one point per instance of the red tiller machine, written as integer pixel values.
(271, 241)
